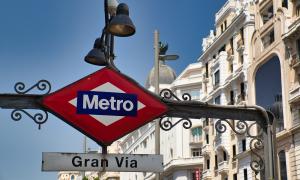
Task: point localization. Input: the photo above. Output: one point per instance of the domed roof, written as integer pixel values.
(166, 76)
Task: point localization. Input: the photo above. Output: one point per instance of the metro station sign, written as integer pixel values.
(105, 105)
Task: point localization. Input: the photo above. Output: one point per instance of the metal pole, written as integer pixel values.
(156, 86)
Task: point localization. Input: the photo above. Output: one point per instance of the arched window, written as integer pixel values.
(282, 165)
(268, 95)
(72, 177)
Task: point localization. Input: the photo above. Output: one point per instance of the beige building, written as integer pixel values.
(276, 46)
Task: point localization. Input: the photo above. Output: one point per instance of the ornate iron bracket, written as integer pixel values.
(40, 117)
(256, 143)
(248, 120)
(165, 122)
(42, 85)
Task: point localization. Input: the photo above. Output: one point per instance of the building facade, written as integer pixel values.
(225, 61)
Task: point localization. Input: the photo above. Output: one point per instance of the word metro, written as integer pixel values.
(106, 103)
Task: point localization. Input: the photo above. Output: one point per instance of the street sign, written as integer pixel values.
(102, 162)
(105, 105)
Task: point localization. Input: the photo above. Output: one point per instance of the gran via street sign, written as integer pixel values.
(102, 162)
(104, 106)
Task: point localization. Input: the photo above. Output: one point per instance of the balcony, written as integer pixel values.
(196, 140)
(294, 95)
(207, 174)
(295, 63)
(183, 162)
(229, 5)
(206, 149)
(223, 167)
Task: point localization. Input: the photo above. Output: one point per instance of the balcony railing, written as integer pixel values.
(196, 139)
(207, 174)
(223, 167)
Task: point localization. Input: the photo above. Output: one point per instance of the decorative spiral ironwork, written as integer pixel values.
(42, 85)
(256, 144)
(168, 94)
(39, 118)
(166, 124)
(257, 165)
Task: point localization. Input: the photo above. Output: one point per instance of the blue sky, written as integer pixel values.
(42, 39)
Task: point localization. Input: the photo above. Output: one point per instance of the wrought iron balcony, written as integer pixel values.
(223, 167)
(207, 174)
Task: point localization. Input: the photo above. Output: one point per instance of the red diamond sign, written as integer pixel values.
(105, 105)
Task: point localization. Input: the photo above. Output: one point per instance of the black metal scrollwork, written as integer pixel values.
(166, 123)
(39, 118)
(42, 85)
(168, 94)
(256, 144)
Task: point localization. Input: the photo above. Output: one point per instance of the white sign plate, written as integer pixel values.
(53, 161)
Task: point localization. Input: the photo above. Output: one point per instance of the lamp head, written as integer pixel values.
(112, 6)
(121, 24)
(96, 56)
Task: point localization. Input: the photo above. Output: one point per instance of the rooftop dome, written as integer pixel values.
(166, 75)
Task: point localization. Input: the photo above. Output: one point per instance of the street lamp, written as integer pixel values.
(159, 55)
(117, 23)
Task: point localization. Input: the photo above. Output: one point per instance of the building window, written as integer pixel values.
(298, 9)
(217, 100)
(235, 176)
(267, 13)
(171, 152)
(207, 164)
(207, 139)
(72, 177)
(222, 28)
(242, 34)
(230, 67)
(241, 58)
(231, 101)
(217, 77)
(282, 165)
(196, 152)
(245, 174)
(206, 70)
(268, 39)
(196, 134)
(284, 3)
(233, 151)
(244, 145)
(224, 156)
(216, 162)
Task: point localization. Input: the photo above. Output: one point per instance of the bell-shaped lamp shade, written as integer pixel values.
(96, 57)
(121, 25)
